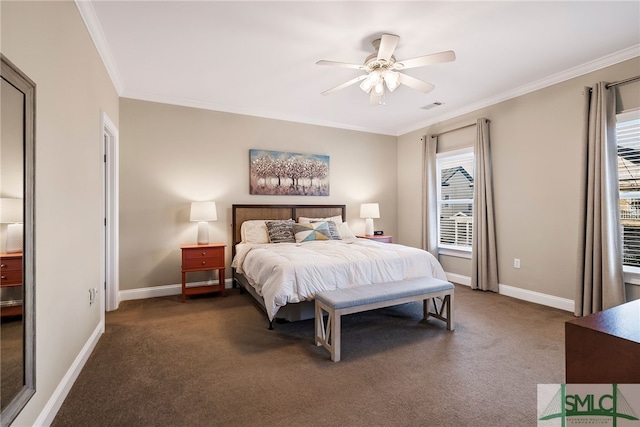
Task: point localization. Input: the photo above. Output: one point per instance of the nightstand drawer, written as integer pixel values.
(203, 263)
(10, 277)
(379, 238)
(10, 264)
(198, 253)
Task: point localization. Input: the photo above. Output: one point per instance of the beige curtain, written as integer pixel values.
(429, 196)
(484, 258)
(600, 277)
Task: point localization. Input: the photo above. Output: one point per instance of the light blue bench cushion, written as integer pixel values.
(369, 294)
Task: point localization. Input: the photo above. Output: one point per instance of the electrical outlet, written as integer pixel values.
(516, 263)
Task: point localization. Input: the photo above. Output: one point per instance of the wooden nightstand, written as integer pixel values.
(203, 258)
(380, 238)
(11, 284)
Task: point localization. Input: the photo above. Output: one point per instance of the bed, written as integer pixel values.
(284, 277)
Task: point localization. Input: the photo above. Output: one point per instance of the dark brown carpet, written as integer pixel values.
(11, 358)
(213, 362)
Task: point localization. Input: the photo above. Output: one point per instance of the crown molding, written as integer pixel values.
(597, 64)
(184, 102)
(90, 19)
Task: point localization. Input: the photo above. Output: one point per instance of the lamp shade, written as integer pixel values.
(203, 211)
(10, 211)
(369, 210)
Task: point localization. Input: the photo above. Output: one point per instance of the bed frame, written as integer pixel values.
(240, 213)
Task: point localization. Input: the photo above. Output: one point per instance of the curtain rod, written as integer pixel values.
(435, 135)
(621, 82)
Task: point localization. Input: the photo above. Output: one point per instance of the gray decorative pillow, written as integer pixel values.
(333, 230)
(281, 231)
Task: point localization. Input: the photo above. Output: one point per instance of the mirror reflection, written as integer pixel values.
(11, 241)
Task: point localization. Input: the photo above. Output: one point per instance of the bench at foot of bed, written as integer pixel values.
(370, 297)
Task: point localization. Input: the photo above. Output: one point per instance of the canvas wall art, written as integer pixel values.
(288, 174)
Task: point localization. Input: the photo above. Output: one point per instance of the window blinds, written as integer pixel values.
(628, 139)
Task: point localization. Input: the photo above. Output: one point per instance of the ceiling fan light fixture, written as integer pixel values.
(366, 85)
(375, 77)
(378, 88)
(392, 79)
(372, 79)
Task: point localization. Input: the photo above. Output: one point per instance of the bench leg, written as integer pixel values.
(328, 335)
(446, 305)
(320, 330)
(450, 313)
(335, 337)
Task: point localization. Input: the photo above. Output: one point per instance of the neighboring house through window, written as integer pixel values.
(455, 199)
(628, 138)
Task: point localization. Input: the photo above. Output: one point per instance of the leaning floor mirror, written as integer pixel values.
(17, 272)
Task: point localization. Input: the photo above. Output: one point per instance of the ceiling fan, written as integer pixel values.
(382, 69)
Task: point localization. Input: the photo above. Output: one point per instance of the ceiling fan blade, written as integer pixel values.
(416, 84)
(388, 43)
(345, 84)
(340, 64)
(421, 61)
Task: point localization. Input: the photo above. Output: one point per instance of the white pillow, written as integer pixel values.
(254, 231)
(345, 231)
(304, 220)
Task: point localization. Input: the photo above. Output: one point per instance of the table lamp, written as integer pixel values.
(369, 211)
(11, 214)
(203, 212)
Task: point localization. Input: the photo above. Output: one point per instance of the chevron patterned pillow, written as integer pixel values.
(311, 232)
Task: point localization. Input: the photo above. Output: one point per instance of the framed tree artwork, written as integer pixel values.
(288, 174)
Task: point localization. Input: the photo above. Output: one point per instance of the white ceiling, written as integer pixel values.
(258, 58)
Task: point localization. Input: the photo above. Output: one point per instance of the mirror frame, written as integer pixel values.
(24, 84)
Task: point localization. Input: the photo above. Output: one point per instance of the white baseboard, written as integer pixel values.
(538, 298)
(458, 278)
(60, 394)
(519, 293)
(164, 290)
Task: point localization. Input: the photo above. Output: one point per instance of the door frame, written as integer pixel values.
(110, 183)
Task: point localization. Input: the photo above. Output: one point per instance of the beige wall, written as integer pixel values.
(171, 155)
(49, 42)
(536, 147)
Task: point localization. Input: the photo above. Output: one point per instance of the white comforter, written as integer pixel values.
(285, 273)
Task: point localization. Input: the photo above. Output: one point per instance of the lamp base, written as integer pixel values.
(14, 238)
(368, 227)
(203, 233)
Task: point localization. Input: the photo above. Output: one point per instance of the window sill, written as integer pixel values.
(632, 275)
(466, 253)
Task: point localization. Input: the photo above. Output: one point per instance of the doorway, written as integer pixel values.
(110, 142)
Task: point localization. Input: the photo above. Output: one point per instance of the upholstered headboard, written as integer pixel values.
(242, 213)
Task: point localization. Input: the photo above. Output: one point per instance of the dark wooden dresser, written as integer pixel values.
(604, 347)
(10, 284)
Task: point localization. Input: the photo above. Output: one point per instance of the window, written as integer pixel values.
(628, 138)
(455, 199)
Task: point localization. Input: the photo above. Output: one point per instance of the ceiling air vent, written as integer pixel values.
(434, 105)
